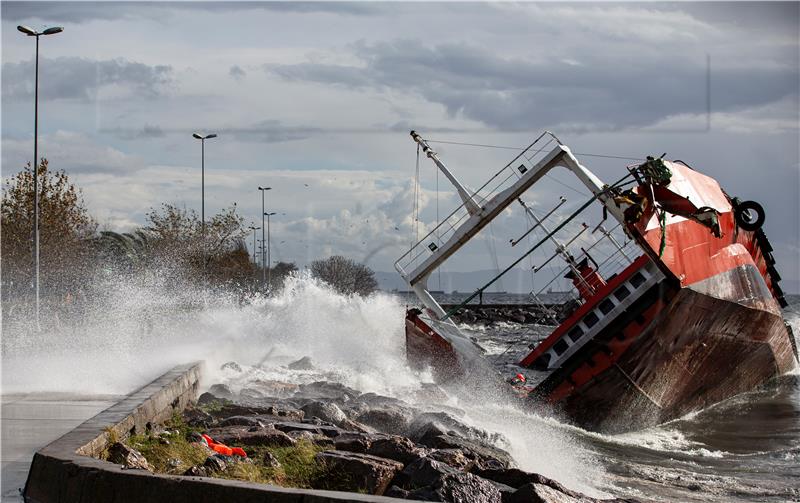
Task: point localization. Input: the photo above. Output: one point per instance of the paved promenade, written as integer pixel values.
(31, 421)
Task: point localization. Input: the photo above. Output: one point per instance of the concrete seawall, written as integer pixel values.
(65, 471)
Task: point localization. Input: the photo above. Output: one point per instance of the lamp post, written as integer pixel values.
(32, 33)
(203, 139)
(269, 258)
(254, 229)
(263, 271)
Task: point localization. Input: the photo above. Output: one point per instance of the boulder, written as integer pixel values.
(464, 487)
(422, 473)
(484, 456)
(231, 366)
(430, 480)
(197, 418)
(326, 390)
(242, 421)
(196, 471)
(270, 460)
(250, 394)
(303, 363)
(267, 437)
(209, 399)
(452, 457)
(266, 414)
(216, 463)
(540, 493)
(121, 454)
(517, 478)
(328, 431)
(395, 447)
(354, 441)
(351, 425)
(275, 388)
(389, 420)
(221, 391)
(350, 471)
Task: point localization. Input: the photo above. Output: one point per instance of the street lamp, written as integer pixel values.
(263, 272)
(269, 258)
(31, 33)
(254, 229)
(203, 192)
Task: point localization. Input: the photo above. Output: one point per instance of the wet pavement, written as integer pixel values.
(31, 421)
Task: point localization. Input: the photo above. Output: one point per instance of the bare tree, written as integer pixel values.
(345, 275)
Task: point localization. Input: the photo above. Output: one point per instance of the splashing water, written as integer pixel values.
(142, 328)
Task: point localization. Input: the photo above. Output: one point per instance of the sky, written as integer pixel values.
(316, 100)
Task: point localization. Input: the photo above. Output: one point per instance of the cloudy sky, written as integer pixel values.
(316, 100)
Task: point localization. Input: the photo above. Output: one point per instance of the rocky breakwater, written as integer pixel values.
(488, 314)
(325, 435)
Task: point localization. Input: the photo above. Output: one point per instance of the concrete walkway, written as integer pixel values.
(31, 421)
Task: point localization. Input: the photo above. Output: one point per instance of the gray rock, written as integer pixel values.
(395, 447)
(328, 431)
(356, 472)
(428, 479)
(326, 390)
(196, 471)
(250, 394)
(242, 421)
(268, 437)
(216, 463)
(198, 418)
(452, 457)
(540, 493)
(121, 454)
(221, 391)
(209, 399)
(393, 420)
(233, 366)
(303, 363)
(326, 411)
(271, 461)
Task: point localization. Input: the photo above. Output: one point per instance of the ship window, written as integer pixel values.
(542, 362)
(606, 306)
(560, 346)
(575, 334)
(591, 319)
(622, 292)
(637, 279)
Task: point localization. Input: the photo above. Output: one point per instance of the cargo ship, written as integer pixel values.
(672, 298)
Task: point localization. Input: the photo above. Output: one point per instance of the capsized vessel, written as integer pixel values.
(674, 300)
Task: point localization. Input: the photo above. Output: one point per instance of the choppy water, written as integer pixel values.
(747, 449)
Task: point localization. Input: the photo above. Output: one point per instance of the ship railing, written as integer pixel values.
(500, 181)
(623, 251)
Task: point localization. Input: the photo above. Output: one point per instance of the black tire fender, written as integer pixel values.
(743, 214)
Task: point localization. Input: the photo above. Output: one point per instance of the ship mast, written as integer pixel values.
(472, 206)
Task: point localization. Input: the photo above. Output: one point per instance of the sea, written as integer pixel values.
(746, 449)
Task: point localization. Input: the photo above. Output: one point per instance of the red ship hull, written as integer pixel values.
(695, 351)
(702, 325)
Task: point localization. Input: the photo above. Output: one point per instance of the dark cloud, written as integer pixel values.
(79, 78)
(237, 72)
(599, 90)
(79, 12)
(272, 131)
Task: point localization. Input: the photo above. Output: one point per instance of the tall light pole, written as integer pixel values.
(269, 258)
(263, 271)
(203, 193)
(254, 229)
(32, 33)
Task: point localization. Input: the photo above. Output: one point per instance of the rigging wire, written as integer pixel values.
(606, 156)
